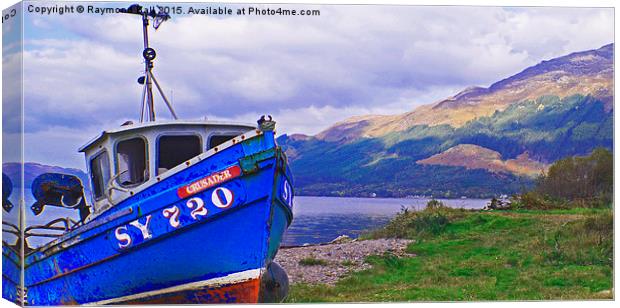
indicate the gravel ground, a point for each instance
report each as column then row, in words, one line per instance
column 342, row 256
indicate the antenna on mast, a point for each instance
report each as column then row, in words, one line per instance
column 148, row 104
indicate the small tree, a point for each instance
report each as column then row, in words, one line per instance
column 575, row 178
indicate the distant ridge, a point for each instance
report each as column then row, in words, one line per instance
column 32, row 170
column 480, row 142
column 586, row 73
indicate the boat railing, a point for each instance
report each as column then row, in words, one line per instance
column 63, row 224
column 10, row 228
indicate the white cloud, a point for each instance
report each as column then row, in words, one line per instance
column 11, row 107
column 307, row 71
column 313, row 119
column 57, row 145
column 551, row 32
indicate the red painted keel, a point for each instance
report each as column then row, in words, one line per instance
column 241, row 292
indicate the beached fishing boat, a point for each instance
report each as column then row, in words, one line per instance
column 182, row 212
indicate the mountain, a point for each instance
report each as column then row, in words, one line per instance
column 480, row 142
column 586, row 73
column 32, row 170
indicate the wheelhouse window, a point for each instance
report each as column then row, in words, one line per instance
column 132, row 164
column 216, row 140
column 99, row 174
column 174, row 150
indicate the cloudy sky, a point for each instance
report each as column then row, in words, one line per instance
column 80, row 69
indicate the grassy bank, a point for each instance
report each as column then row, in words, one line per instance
column 499, row 255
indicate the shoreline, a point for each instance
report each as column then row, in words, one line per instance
column 327, row 263
column 404, row 198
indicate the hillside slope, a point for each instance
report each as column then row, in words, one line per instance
column 479, row 143
column 476, row 157
column 586, row 73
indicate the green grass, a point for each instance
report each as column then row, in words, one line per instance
column 347, row 263
column 508, row 255
column 311, row 261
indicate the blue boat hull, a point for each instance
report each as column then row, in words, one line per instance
column 10, row 273
column 205, row 234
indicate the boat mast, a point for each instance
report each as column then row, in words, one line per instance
column 149, row 54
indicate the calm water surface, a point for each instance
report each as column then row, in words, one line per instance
column 321, row 219
column 317, row 219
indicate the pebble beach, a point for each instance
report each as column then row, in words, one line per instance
column 336, row 259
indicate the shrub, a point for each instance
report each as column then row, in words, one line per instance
column 535, row 201
column 409, row 224
column 434, row 204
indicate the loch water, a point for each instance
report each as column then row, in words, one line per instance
column 322, row 219
column 316, row 219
